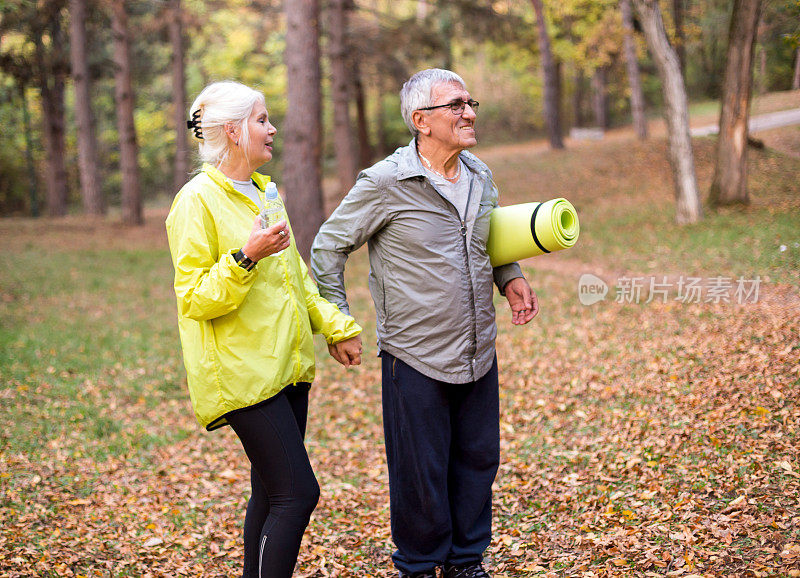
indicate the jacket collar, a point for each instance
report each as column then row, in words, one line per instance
column 225, row 183
column 409, row 164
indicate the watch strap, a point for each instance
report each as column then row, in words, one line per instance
column 243, row 260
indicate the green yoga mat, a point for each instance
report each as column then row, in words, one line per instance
column 521, row 231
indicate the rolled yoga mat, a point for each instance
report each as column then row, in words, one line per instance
column 521, row 231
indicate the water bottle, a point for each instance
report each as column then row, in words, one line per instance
column 273, row 209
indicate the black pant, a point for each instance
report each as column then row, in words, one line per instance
column 443, row 451
column 284, row 488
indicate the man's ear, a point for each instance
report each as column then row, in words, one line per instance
column 420, row 120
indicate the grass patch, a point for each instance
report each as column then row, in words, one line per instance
column 82, row 342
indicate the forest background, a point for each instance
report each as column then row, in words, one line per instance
column 654, row 432
column 130, row 65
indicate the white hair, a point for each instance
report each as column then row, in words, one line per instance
column 417, row 92
column 221, row 103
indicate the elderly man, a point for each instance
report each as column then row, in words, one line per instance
column 424, row 212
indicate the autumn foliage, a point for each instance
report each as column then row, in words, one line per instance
column 638, row 439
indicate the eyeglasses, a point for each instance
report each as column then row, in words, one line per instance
column 457, row 106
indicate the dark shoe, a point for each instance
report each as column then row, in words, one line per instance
column 474, row 570
column 431, row 574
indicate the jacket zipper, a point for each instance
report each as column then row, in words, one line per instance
column 465, row 246
column 472, row 311
column 293, row 299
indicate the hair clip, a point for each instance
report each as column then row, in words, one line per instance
column 194, row 124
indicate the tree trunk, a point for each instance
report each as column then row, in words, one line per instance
column 446, row 35
column 55, row 148
column 550, row 73
column 796, row 78
column 730, row 175
column 364, row 148
column 31, row 166
column 181, row 167
column 51, row 86
column 688, row 206
column 123, row 91
column 559, row 91
column 381, row 134
column 634, row 78
column 341, row 90
column 680, row 37
column 94, row 202
column 599, row 99
column 303, row 141
column 577, row 98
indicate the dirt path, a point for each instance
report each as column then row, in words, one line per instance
column 656, row 129
column 757, row 123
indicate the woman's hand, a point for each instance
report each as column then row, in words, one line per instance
column 347, row 352
column 265, row 242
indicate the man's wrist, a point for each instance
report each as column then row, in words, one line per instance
column 506, row 284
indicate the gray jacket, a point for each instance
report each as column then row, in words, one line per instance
column 432, row 293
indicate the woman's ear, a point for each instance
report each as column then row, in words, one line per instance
column 420, row 121
column 232, row 132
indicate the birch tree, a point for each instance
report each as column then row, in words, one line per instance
column 676, row 112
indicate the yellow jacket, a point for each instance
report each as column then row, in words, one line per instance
column 245, row 334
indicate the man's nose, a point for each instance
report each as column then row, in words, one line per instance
column 469, row 112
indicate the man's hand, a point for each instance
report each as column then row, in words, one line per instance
column 523, row 301
column 347, row 352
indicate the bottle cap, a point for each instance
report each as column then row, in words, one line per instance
column 271, row 192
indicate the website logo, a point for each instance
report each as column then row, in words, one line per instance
column 591, row 289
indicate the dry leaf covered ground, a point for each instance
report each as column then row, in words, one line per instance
column 639, row 438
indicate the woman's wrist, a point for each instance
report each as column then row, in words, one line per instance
column 250, row 252
column 243, row 260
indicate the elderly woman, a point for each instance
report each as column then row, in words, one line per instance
column 246, row 315
column 424, row 211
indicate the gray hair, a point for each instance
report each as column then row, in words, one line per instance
column 220, row 103
column 417, row 92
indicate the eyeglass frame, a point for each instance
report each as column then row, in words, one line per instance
column 473, row 104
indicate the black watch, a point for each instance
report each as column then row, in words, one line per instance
column 243, row 260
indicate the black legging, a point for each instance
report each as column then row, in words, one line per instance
column 284, row 488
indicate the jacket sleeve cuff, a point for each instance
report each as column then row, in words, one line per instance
column 504, row 274
column 238, row 273
column 349, row 329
